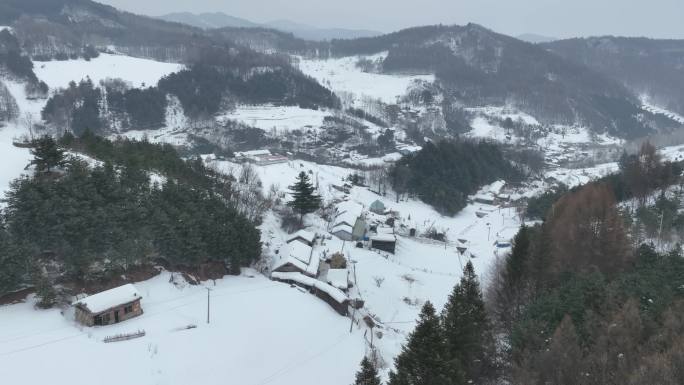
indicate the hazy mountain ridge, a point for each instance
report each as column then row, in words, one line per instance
column 303, row 31
column 650, row 67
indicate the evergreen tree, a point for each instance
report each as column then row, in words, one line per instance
column 516, row 263
column 304, row 200
column 467, row 331
column 46, row 154
column 368, row 375
column 45, row 293
column 423, row 360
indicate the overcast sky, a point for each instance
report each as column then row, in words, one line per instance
column 556, row 18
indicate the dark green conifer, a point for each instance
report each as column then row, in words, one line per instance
column 304, row 200
column 424, row 359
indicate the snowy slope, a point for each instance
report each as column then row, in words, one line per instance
column 139, row 72
column 342, row 75
column 14, row 159
column 261, row 332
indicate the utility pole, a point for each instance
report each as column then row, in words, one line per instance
column 208, row 291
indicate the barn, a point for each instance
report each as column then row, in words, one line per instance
column 109, row 307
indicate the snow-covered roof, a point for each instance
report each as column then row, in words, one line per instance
column 252, row 153
column 97, row 303
column 338, row 278
column 383, row 238
column 342, row 227
column 302, row 256
column 301, row 252
column 495, row 188
column 347, row 217
column 486, row 197
column 337, row 294
column 349, row 207
column 304, row 234
column 385, row 230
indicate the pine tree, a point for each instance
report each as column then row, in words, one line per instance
column 517, row 261
column 368, row 374
column 423, row 360
column 45, row 292
column 46, row 154
column 467, row 331
column 304, row 200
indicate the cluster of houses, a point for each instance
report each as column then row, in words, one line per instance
column 493, row 194
column 300, row 264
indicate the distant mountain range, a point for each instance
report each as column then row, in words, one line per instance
column 217, row 20
column 534, row 38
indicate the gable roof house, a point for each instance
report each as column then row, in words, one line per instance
column 306, row 237
column 109, row 307
column 300, row 259
column 349, row 224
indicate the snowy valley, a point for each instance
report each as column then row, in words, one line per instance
column 351, row 279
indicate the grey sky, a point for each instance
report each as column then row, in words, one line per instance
column 558, row 18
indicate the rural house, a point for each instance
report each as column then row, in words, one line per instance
column 306, row 237
column 109, row 307
column 300, row 258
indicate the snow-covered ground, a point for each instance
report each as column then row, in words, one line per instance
column 342, row 75
column 261, row 332
column 14, row 159
column 139, row 72
column 278, row 119
column 420, row 270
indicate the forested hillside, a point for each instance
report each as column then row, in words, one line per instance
column 445, row 173
column 203, row 91
column 650, row 67
column 137, row 204
column 477, row 66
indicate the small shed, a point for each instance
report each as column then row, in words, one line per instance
column 109, row 307
column 384, row 242
column 378, row 207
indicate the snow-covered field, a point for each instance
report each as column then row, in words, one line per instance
column 139, row 72
column 342, row 75
column 261, row 332
column 278, row 119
